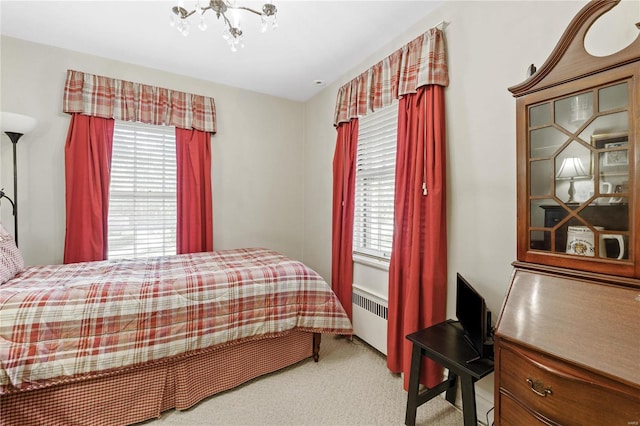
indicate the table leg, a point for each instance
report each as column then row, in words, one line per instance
column 451, row 392
column 468, row 401
column 414, row 385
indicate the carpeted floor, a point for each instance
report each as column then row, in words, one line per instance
column 349, row 386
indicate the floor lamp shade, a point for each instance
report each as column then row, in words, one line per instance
column 15, row 125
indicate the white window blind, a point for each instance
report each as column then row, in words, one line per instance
column 142, row 197
column 375, row 175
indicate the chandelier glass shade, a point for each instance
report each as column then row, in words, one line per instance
column 227, row 10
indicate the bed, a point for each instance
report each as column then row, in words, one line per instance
column 119, row 342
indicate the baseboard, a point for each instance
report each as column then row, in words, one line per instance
column 484, row 403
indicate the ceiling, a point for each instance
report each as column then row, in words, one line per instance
column 315, row 40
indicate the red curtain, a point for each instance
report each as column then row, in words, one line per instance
column 418, row 266
column 195, row 211
column 87, row 176
column 344, row 180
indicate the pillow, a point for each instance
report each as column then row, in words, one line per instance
column 11, row 260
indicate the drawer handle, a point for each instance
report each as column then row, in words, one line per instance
column 538, row 387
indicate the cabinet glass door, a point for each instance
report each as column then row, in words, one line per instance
column 579, row 180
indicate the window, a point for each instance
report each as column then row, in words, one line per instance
column 142, row 196
column 375, row 176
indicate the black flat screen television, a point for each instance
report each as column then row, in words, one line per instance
column 475, row 318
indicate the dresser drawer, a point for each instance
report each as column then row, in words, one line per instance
column 513, row 414
column 563, row 394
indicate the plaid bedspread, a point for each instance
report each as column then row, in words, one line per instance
column 68, row 320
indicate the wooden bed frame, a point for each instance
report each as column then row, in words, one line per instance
column 141, row 392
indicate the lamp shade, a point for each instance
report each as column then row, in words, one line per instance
column 571, row 167
column 16, row 123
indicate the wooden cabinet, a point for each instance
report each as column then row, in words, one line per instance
column 567, row 341
column 567, row 351
column 578, row 128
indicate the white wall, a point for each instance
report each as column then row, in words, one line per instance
column 489, row 46
column 257, row 153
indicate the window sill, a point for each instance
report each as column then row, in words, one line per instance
column 371, row 261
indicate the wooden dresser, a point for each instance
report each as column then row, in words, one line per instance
column 567, row 352
column 567, row 341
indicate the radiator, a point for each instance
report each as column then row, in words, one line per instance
column 370, row 318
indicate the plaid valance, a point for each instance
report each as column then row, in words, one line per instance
column 105, row 97
column 419, row 63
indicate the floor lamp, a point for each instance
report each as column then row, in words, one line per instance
column 15, row 125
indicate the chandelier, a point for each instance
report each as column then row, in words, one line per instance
column 232, row 32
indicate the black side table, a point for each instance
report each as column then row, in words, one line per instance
column 444, row 343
